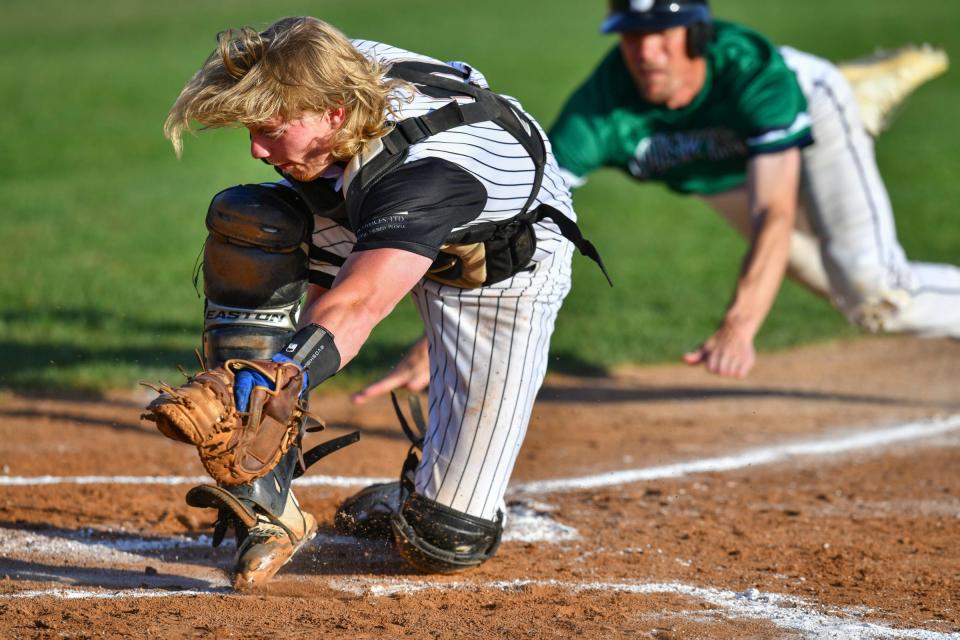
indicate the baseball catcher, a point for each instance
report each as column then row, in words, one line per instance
column 399, row 174
column 247, row 411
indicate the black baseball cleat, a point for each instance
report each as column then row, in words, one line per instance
column 366, row 514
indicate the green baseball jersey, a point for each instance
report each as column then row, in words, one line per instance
column 750, row 104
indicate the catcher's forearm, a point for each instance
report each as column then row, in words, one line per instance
column 369, row 286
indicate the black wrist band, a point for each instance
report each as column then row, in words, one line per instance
column 312, row 347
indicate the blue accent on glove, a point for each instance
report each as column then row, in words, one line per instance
column 247, row 379
column 243, row 384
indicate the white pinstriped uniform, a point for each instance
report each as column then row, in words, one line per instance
column 871, row 280
column 853, row 255
column 488, row 346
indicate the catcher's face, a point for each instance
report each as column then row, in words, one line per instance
column 300, row 147
column 659, row 64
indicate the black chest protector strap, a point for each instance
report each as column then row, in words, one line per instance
column 486, row 107
column 571, row 231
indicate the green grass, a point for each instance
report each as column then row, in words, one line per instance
column 102, row 224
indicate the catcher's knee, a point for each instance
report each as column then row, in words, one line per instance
column 254, row 270
column 438, row 539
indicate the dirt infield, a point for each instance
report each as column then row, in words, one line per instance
column 818, row 499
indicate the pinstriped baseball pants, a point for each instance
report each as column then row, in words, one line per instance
column 488, row 357
column 871, row 280
column 852, row 253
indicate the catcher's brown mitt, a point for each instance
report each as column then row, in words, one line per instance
column 235, row 447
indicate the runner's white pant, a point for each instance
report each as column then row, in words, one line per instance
column 853, row 252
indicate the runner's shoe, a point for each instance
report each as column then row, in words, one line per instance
column 882, row 81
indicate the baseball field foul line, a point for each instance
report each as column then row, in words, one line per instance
column 830, row 445
column 786, row 612
column 827, row 445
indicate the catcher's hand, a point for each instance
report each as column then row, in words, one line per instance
column 242, row 416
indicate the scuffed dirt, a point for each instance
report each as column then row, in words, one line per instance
column 870, row 535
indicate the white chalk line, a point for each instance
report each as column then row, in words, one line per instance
column 524, row 523
column 89, row 546
column 528, row 522
column 787, row 612
column 784, row 611
column 826, row 445
column 83, row 594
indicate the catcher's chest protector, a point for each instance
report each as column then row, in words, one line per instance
column 483, row 254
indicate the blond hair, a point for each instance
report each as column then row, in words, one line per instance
column 295, row 65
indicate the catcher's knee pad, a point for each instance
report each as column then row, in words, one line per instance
column 438, row 539
column 254, row 271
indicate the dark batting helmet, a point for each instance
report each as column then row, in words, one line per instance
column 657, row 15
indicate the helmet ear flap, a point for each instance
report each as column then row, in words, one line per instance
column 699, row 35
